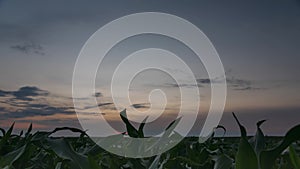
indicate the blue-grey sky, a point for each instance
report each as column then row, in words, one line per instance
column 258, row 43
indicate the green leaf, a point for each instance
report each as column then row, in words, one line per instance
column 75, row 130
column 223, row 162
column 29, row 130
column 93, row 163
column 267, row 157
column 259, row 138
column 295, row 159
column 132, row 132
column 58, row 165
column 64, row 150
column 242, row 128
column 3, row 131
column 8, row 134
column 10, row 158
column 245, row 157
column 40, row 135
column 212, row 134
column 221, row 127
column 167, row 135
column 5, row 138
column 141, row 128
column 188, row 161
column 21, row 133
column 155, row 163
column 171, row 127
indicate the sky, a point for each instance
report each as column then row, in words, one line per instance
column 257, row 41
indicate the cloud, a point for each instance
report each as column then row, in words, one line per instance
column 203, row 81
column 235, row 82
column 98, row 94
column 29, row 48
column 36, row 111
column 29, row 101
column 242, row 84
column 182, row 85
column 25, row 93
column 29, row 91
column 249, row 88
column 3, row 93
column 99, row 105
column 140, row 105
column 232, row 82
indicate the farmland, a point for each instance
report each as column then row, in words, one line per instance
column 38, row 150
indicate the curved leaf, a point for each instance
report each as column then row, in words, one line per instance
column 29, row 130
column 132, row 132
column 75, row 130
column 10, row 158
column 294, row 157
column 259, row 138
column 141, row 128
column 65, row 151
column 5, row 138
column 3, row 131
column 245, row 157
column 268, row 157
column 223, row 162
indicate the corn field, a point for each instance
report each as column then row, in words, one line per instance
column 40, row 150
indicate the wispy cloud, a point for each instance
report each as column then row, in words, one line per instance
column 29, row 48
column 188, row 85
column 99, row 105
column 242, row 84
column 36, row 111
column 232, row 82
column 249, row 88
column 140, row 105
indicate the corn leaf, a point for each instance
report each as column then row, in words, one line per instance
column 245, row 157
column 295, row 159
column 268, row 157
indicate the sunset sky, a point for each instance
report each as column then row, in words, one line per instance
column 257, row 41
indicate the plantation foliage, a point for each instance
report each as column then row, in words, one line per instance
column 39, row 150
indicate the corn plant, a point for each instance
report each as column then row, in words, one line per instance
column 39, row 150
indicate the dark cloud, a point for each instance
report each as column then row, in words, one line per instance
column 203, row 81
column 29, row 101
column 183, row 85
column 58, row 122
column 29, row 48
column 99, row 105
column 32, row 111
column 3, row 93
column 98, row 94
column 233, row 83
column 140, row 105
column 249, row 88
column 238, row 83
column 104, row 104
column 242, row 84
column 25, row 93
